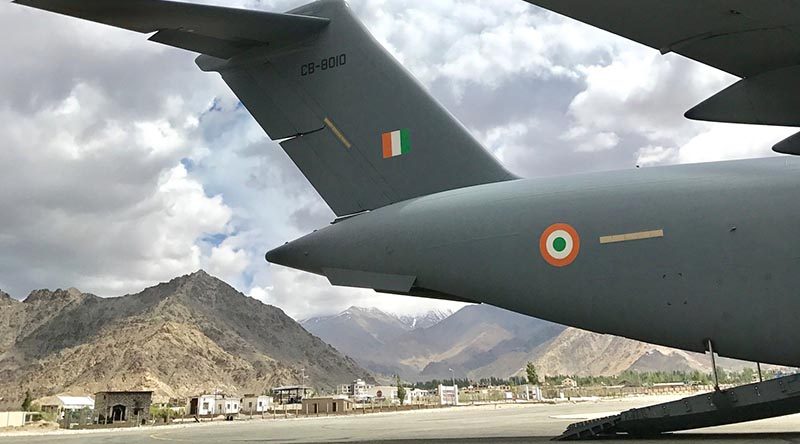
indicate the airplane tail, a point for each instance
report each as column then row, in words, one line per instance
column 358, row 125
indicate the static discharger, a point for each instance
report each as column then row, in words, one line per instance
column 337, row 133
column 631, row 236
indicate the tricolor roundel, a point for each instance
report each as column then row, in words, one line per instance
column 559, row 244
column 396, row 143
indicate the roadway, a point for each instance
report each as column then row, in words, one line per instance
column 483, row 424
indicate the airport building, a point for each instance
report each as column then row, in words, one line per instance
column 216, row 404
column 415, row 395
column 111, row 407
column 256, row 404
column 328, row 406
column 59, row 405
column 290, row 394
column 358, row 390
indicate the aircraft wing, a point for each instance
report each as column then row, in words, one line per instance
column 757, row 41
column 217, row 31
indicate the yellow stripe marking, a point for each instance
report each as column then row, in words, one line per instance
column 337, row 133
column 631, row 236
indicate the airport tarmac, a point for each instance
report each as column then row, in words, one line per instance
column 478, row 424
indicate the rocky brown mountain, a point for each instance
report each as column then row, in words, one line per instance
column 190, row 335
column 583, row 353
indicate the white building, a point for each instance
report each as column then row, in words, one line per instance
column 202, row 405
column 345, row 390
column 60, row 403
column 416, row 395
column 205, row 405
column 256, row 404
column 360, row 390
column 227, row 405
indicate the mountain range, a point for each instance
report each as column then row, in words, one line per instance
column 470, row 341
column 190, row 335
column 197, row 334
column 480, row 341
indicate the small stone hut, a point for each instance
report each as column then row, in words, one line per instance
column 131, row 407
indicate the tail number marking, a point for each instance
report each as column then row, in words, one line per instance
column 325, row 64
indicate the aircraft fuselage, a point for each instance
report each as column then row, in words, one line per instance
column 670, row 255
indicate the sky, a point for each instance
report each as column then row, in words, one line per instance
column 122, row 165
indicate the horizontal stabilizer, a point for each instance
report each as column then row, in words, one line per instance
column 771, row 98
column 756, row 41
column 217, row 31
column 790, row 145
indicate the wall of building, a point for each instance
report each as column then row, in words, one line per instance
column 227, row 406
column 105, row 401
column 327, row 406
column 256, row 404
column 12, row 419
column 206, row 405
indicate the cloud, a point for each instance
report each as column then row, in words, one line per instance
column 90, row 164
column 656, row 155
column 729, row 142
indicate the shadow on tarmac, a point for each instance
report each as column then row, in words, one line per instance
column 788, row 437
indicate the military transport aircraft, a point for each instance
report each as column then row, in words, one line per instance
column 689, row 256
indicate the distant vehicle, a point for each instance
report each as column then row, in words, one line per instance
column 690, row 256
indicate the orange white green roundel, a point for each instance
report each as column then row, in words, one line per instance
column 559, row 244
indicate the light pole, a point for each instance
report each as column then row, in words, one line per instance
column 303, row 386
column 455, row 389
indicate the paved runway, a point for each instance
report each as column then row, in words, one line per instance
column 484, row 424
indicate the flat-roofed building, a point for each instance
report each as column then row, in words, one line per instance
column 228, row 405
column 290, row 394
column 58, row 405
column 122, row 406
column 216, row 404
column 327, row 406
column 202, row 405
column 256, row 404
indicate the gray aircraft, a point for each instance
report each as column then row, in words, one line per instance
column 688, row 256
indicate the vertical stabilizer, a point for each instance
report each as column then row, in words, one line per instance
column 358, row 125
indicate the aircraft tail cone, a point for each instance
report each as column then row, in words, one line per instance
column 279, row 255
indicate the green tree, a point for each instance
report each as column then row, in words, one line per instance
column 530, row 370
column 401, row 391
column 26, row 403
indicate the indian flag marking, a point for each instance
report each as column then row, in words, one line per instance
column 396, row 143
column 559, row 244
column 631, row 236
